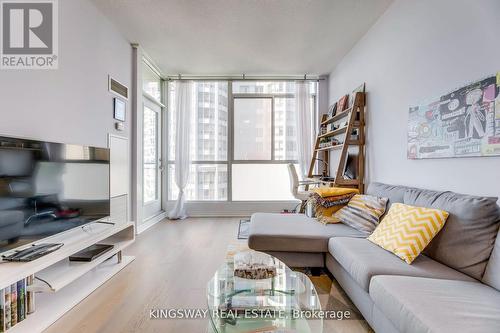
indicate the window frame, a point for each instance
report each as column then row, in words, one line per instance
column 230, row 137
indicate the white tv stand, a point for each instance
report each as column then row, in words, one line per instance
column 69, row 282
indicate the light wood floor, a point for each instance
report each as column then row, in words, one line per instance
column 174, row 261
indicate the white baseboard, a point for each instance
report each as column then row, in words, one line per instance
column 215, row 215
column 234, row 209
column 150, row 222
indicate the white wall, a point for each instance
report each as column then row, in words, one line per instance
column 71, row 104
column 416, row 51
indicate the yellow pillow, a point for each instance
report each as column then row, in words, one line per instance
column 327, row 191
column 407, row 230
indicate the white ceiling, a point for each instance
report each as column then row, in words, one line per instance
column 255, row 37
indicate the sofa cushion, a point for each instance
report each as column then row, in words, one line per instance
column 466, row 240
column 363, row 260
column 456, row 306
column 395, row 193
column 406, row 230
column 492, row 272
column 293, row 233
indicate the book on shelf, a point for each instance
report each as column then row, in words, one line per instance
column 352, row 97
column 7, row 311
column 13, row 304
column 332, row 110
column 21, row 300
column 30, row 295
column 2, row 310
column 342, row 103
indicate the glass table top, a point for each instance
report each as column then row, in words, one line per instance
column 285, row 303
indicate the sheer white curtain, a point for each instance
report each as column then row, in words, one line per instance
column 303, row 119
column 183, row 111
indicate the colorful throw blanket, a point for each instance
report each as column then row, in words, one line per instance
column 332, row 201
column 328, row 200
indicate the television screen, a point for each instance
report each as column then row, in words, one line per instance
column 47, row 188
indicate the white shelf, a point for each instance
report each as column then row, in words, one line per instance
column 74, row 240
column 52, row 306
column 65, row 271
column 70, row 282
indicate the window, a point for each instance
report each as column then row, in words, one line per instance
column 261, row 182
column 285, row 147
column 264, row 87
column 151, row 82
column 209, row 142
column 207, row 182
column 252, row 128
column 261, row 154
column 152, row 134
column 253, row 166
column 209, row 123
column 150, row 155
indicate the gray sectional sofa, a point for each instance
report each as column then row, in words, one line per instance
column 453, row 287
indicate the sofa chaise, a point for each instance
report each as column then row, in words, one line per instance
column 454, row 286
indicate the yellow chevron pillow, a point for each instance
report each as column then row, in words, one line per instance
column 407, row 230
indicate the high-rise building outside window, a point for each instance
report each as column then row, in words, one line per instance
column 259, row 118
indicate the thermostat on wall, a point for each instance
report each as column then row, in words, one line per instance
column 119, row 109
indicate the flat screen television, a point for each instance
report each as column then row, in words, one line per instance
column 47, row 188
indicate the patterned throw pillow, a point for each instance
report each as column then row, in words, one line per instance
column 407, row 230
column 362, row 212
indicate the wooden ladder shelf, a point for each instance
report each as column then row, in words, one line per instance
column 355, row 116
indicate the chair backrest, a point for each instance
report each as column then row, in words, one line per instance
column 294, row 179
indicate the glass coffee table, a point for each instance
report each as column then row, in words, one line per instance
column 286, row 303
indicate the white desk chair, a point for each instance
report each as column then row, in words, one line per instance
column 296, row 183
